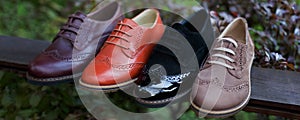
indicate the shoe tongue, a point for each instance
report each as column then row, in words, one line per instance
column 227, row 43
column 80, row 14
column 221, row 44
column 124, row 27
column 75, row 21
column 61, row 42
column 130, row 22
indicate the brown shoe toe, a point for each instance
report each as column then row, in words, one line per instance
column 44, row 67
column 220, row 98
column 75, row 45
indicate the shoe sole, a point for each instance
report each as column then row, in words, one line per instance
column 161, row 103
column 228, row 112
column 219, row 114
column 107, row 88
column 51, row 81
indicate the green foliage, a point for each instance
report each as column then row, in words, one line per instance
column 35, row 19
column 189, row 115
column 23, row 21
column 245, row 116
column 22, row 100
column 274, row 27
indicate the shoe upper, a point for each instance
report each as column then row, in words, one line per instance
column 224, row 81
column 76, row 43
column 126, row 51
column 179, row 55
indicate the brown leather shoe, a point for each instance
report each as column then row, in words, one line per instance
column 223, row 87
column 125, row 52
column 75, row 45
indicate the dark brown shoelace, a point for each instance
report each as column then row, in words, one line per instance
column 69, row 28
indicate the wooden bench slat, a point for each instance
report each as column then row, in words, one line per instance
column 276, row 85
column 273, row 91
column 17, row 52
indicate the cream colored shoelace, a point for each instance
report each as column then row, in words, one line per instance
column 121, row 24
column 225, row 50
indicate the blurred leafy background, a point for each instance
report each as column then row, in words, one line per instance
column 274, row 26
column 41, row 19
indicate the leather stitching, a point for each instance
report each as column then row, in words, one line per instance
column 128, row 66
column 218, row 83
column 55, row 54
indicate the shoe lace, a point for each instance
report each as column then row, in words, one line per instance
column 70, row 27
column 227, row 50
column 120, row 36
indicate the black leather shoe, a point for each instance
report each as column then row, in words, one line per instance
column 173, row 66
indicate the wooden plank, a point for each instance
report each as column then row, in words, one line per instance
column 276, row 85
column 16, row 53
column 271, row 108
column 274, row 92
